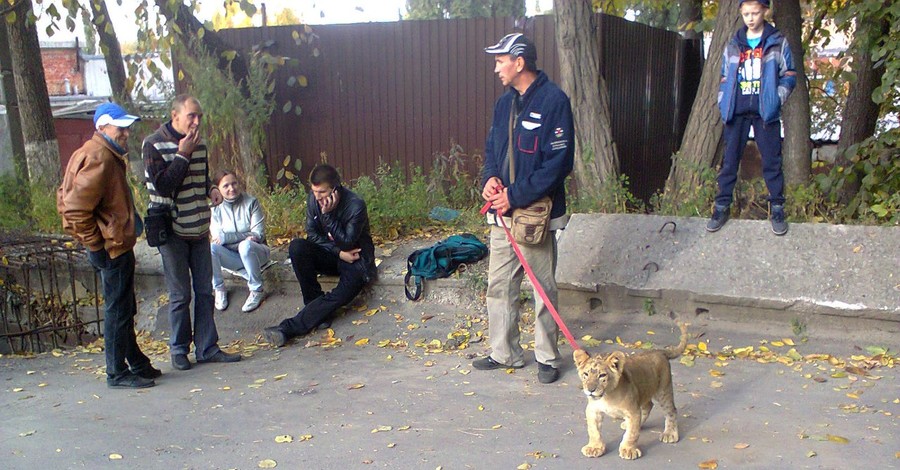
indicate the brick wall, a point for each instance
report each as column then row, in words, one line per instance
column 60, row 64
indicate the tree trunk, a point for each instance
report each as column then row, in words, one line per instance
column 797, row 145
column 577, row 39
column 703, row 135
column 8, row 98
column 112, row 52
column 41, row 147
column 187, row 27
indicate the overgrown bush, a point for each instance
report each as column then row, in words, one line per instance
column 43, row 215
column 285, row 210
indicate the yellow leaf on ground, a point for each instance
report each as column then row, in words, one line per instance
column 356, row 386
column 702, row 346
column 27, row 433
column 741, row 445
column 371, row 312
column 391, row 445
column 362, row 342
column 468, row 394
column 304, row 437
column 18, row 389
column 788, row 341
column 284, row 438
column 403, row 428
column 279, row 376
column 259, row 381
column 716, row 373
column 115, row 457
column 777, row 343
column 524, row 466
column 838, row 439
column 497, row 426
column 267, row 463
column 709, row 464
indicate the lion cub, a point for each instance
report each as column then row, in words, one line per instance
column 623, row 387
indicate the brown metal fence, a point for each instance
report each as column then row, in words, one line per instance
column 405, row 90
column 44, row 302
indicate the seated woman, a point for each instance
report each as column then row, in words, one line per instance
column 238, row 241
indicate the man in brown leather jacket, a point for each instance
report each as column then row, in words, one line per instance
column 97, row 209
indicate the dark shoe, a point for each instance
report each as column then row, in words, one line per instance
column 149, row 372
column 326, row 324
column 776, row 216
column 547, row 374
column 275, row 336
column 720, row 215
column 488, row 363
column 221, row 356
column 130, row 380
column 181, row 362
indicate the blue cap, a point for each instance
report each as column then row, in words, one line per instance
column 111, row 113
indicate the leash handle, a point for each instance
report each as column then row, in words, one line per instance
column 539, row 288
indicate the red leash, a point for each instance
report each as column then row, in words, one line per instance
column 537, row 286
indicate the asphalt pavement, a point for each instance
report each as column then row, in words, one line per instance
column 390, row 388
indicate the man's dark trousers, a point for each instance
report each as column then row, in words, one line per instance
column 308, row 260
column 120, row 308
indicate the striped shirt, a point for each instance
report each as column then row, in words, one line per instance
column 178, row 181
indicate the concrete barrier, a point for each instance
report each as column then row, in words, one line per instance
column 838, row 273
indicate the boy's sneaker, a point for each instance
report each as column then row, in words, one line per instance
column 776, row 216
column 720, row 215
column 253, row 300
column 221, row 299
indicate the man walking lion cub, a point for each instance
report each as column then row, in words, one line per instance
column 625, row 387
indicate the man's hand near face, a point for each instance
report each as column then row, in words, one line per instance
column 330, row 202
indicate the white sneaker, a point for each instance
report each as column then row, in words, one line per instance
column 253, row 300
column 221, row 299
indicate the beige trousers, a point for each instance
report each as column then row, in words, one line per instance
column 505, row 275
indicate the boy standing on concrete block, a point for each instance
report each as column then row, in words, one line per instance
column 757, row 78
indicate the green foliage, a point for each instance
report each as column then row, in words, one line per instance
column 285, row 209
column 875, row 165
column 444, row 9
column 395, row 205
column 614, row 198
column 43, row 208
column 688, row 202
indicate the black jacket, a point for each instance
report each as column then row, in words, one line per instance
column 343, row 229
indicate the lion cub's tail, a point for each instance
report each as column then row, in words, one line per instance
column 673, row 352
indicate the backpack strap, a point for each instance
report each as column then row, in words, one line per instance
column 418, row 279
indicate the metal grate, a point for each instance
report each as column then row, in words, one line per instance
column 41, row 307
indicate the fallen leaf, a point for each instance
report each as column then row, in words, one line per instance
column 468, row 394
column 267, row 463
column 284, row 438
column 403, row 428
column 716, row 373
column 524, row 466
column 702, row 346
column 362, row 342
column 195, row 390
column 304, row 437
column 18, row 389
column 811, row 453
column 391, row 445
column 259, row 381
column 788, row 341
column 709, row 464
column 115, row 457
column 715, row 384
column 279, row 376
column 838, row 439
column 27, row 433
column 741, row 445
column 497, row 426
column 356, row 386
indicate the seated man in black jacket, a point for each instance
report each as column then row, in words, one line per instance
column 337, row 243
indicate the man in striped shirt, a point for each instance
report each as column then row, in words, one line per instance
column 177, row 173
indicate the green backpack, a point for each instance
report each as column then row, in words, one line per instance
column 441, row 260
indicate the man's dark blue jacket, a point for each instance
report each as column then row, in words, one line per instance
column 543, row 142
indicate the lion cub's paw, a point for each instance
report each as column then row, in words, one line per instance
column 669, row 437
column 592, row 451
column 629, row 453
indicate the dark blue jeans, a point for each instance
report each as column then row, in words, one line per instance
column 308, row 260
column 768, row 140
column 186, row 263
column 120, row 341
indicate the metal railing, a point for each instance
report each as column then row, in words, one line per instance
column 40, row 308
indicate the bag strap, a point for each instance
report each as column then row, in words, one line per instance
column 509, row 148
column 418, row 280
